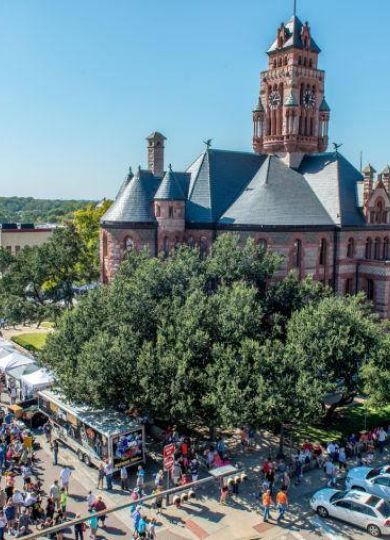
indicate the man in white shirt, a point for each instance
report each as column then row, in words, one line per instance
column 65, row 477
column 90, row 499
column 329, row 471
column 54, row 493
column 381, row 439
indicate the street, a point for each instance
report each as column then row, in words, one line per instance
column 204, row 517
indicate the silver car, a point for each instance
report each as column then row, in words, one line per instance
column 355, row 507
column 375, row 481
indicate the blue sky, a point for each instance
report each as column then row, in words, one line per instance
column 83, row 82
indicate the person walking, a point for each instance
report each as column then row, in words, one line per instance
column 3, row 525
column 63, row 500
column 93, row 524
column 79, row 529
column 54, row 449
column 100, row 483
column 64, row 478
column 330, row 473
column 54, row 493
column 282, row 503
column 124, row 478
column 285, row 481
column 99, row 506
column 108, row 472
column 267, row 503
column 140, row 478
column 141, row 528
column 381, row 439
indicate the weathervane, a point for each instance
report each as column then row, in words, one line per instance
column 336, row 147
column 208, row 143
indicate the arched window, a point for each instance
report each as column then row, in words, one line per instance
column 304, row 61
column 275, row 63
column 262, row 242
column 370, row 289
column 386, row 249
column 378, row 211
column 310, row 63
column 297, row 254
column 348, row 286
column 203, row 246
column 128, row 244
column 368, row 248
column 323, row 252
column 300, row 60
column 158, row 210
column 351, row 248
column 171, row 211
column 166, row 246
column 105, row 245
column 285, row 61
column 377, row 249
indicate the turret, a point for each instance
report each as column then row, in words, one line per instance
column 368, row 173
column 169, row 210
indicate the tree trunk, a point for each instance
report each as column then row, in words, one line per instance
column 281, row 443
column 344, row 400
column 212, row 433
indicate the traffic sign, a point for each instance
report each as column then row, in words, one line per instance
column 168, row 455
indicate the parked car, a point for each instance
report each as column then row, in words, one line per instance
column 356, row 507
column 375, row 481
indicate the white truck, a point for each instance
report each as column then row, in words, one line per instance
column 95, row 435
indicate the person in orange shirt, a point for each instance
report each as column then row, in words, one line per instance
column 282, row 503
column 267, row 502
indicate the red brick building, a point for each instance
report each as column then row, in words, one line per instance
column 313, row 207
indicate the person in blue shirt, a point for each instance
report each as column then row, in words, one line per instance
column 136, row 517
column 141, row 529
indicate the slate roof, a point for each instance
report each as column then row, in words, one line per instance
column 173, row 187
column 334, row 182
column 125, row 182
column 133, row 204
column 324, row 107
column 218, row 179
column 246, row 189
column 293, row 30
column 277, row 195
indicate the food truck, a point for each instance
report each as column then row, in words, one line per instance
column 94, row 435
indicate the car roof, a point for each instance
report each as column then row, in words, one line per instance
column 361, row 497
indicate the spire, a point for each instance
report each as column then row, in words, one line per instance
column 369, row 171
column 324, row 107
column 170, row 188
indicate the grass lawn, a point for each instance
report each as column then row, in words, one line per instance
column 47, row 324
column 351, row 419
column 31, row 342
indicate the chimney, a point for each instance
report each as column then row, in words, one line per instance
column 156, row 153
column 368, row 173
column 385, row 174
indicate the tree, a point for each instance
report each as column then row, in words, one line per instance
column 335, row 339
column 87, row 225
column 197, row 328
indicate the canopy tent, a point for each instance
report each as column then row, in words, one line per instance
column 13, row 360
column 39, row 380
column 18, row 371
column 6, row 349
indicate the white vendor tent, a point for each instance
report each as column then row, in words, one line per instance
column 25, row 369
column 39, row 380
column 13, row 360
column 6, row 349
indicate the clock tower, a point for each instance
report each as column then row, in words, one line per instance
column 291, row 117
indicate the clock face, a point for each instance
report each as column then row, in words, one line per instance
column 309, row 99
column 274, row 99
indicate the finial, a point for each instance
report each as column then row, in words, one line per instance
column 130, row 171
column 336, row 147
column 295, row 8
column 208, row 143
column 139, row 168
column 170, row 167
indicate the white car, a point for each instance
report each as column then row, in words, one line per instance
column 355, row 507
column 375, row 481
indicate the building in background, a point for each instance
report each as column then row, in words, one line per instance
column 325, row 218
column 14, row 237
